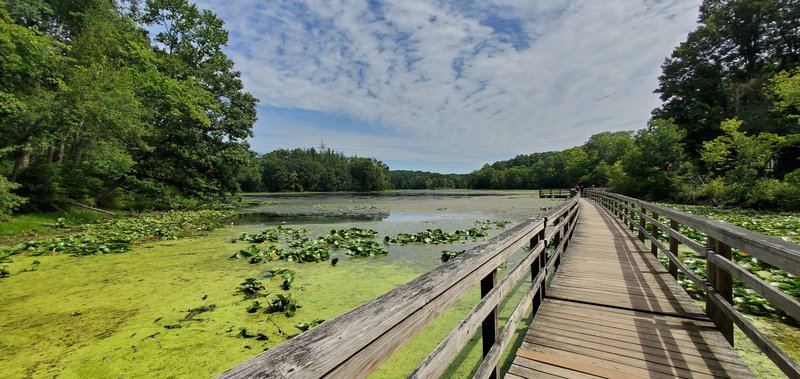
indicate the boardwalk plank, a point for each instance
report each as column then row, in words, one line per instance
column 658, row 355
column 612, row 306
column 690, row 349
column 525, row 372
column 668, row 335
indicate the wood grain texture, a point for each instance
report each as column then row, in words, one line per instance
column 574, row 366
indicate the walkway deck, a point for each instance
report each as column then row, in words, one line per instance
column 614, row 311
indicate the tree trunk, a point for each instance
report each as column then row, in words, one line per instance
column 111, row 188
column 17, row 164
column 61, row 152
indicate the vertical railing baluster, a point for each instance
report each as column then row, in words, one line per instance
column 556, row 242
column 632, row 215
column 721, row 283
column 642, row 222
column 654, row 232
column 536, row 267
column 673, row 248
column 490, row 327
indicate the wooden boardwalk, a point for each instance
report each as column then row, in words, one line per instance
column 614, row 311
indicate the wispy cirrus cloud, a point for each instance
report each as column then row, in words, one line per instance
column 449, row 85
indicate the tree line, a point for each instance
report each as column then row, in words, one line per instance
column 95, row 110
column 315, row 170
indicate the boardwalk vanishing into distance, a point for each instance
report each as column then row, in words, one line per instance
column 613, row 310
column 600, row 303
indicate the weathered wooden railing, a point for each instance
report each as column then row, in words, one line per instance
column 720, row 268
column 355, row 343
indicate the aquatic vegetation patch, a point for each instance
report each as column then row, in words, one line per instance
column 299, row 248
column 303, row 326
column 254, row 307
column 438, row 236
column 276, row 234
column 251, row 288
column 117, row 236
column 285, row 304
column 304, row 251
column 499, row 224
column 356, row 241
column 243, row 333
column 365, row 248
column 286, row 274
column 337, row 237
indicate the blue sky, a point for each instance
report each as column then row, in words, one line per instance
column 449, row 85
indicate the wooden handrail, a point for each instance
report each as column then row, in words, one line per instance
column 355, row 343
column 721, row 238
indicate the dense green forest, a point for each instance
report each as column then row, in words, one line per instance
column 94, row 110
column 313, row 170
column 403, row 179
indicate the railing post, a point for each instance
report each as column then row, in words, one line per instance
column 536, row 267
column 615, row 204
column 654, row 232
column 721, row 283
column 642, row 223
column 631, row 216
column 490, row 327
column 673, row 248
column 627, row 213
column 556, row 243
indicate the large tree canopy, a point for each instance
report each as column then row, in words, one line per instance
column 720, row 71
column 92, row 105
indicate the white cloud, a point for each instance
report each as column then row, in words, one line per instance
column 488, row 73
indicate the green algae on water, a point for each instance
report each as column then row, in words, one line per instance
column 110, row 316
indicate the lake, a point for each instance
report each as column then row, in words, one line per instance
column 171, row 307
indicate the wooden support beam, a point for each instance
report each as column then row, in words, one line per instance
column 491, row 327
column 654, row 231
column 536, row 267
column 720, row 281
column 673, row 248
column 642, row 222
